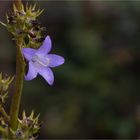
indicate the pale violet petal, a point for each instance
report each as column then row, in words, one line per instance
column 46, row 46
column 55, row 60
column 47, row 74
column 32, row 73
column 28, row 53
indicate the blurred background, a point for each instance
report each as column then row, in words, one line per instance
column 96, row 93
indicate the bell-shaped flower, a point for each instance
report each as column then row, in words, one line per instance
column 41, row 62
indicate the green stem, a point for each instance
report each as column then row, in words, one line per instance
column 20, row 68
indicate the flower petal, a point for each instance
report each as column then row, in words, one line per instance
column 32, row 73
column 28, row 53
column 55, row 60
column 47, row 74
column 46, row 46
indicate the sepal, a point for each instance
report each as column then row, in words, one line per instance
column 24, row 23
column 28, row 127
column 5, row 82
column 4, row 85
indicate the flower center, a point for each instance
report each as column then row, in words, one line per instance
column 44, row 61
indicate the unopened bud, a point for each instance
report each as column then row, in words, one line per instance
column 5, row 82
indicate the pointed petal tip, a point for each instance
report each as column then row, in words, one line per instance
column 63, row 60
column 32, row 73
column 47, row 74
column 55, row 60
column 48, row 37
column 45, row 47
column 48, row 41
column 50, row 81
column 27, row 78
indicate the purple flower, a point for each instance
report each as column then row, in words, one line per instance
column 40, row 62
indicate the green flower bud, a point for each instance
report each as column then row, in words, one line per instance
column 24, row 20
column 28, row 127
column 5, row 82
column 4, row 85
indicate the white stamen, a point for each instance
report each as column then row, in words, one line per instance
column 38, row 59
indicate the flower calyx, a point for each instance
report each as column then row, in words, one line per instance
column 24, row 23
column 4, row 85
column 28, row 127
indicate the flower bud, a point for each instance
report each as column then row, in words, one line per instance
column 4, row 85
column 28, row 127
column 5, row 82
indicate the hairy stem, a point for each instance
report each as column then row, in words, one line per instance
column 20, row 67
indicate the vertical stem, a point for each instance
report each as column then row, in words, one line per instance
column 20, row 67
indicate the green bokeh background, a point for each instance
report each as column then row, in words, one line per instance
column 96, row 93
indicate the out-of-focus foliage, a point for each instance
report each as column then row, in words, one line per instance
column 96, row 93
